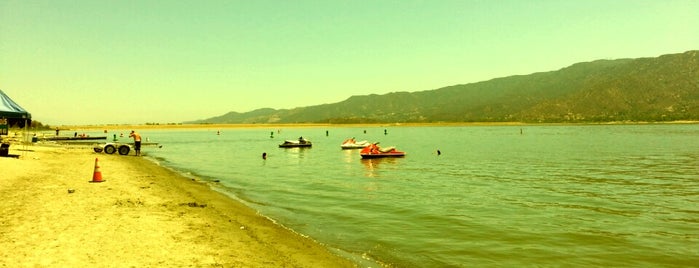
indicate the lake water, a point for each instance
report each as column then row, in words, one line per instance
column 598, row 195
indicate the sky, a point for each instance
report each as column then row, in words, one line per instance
column 150, row 61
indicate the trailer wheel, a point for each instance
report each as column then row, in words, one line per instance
column 124, row 150
column 97, row 149
column 109, row 149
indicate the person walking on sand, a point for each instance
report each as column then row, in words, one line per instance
column 136, row 142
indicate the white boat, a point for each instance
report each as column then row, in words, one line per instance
column 353, row 144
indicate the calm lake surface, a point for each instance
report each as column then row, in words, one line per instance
column 598, row 195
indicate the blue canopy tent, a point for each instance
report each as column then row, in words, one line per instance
column 12, row 112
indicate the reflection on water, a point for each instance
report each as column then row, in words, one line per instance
column 350, row 155
column 372, row 165
column 295, row 152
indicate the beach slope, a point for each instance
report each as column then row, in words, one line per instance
column 142, row 215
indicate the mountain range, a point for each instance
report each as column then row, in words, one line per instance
column 664, row 88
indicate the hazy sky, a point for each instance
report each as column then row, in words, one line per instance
column 120, row 61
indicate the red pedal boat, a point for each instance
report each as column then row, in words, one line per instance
column 374, row 151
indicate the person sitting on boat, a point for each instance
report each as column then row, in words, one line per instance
column 375, row 148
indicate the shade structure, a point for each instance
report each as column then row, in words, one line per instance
column 10, row 110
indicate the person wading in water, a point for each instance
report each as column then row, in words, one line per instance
column 136, row 142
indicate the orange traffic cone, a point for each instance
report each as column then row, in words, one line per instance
column 97, row 175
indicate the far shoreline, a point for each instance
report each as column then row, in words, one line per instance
column 310, row 125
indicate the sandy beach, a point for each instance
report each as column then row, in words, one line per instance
column 142, row 215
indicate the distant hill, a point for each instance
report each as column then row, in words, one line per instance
column 665, row 88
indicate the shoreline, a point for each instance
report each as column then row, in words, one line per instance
column 309, row 125
column 143, row 214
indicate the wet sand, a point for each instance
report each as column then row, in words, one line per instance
column 142, row 215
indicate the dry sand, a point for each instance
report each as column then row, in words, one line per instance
column 142, row 215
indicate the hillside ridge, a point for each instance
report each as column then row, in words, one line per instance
column 664, row 88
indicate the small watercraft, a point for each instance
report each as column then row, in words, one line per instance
column 301, row 142
column 353, row 144
column 374, row 151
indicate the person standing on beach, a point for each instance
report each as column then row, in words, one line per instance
column 136, row 142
